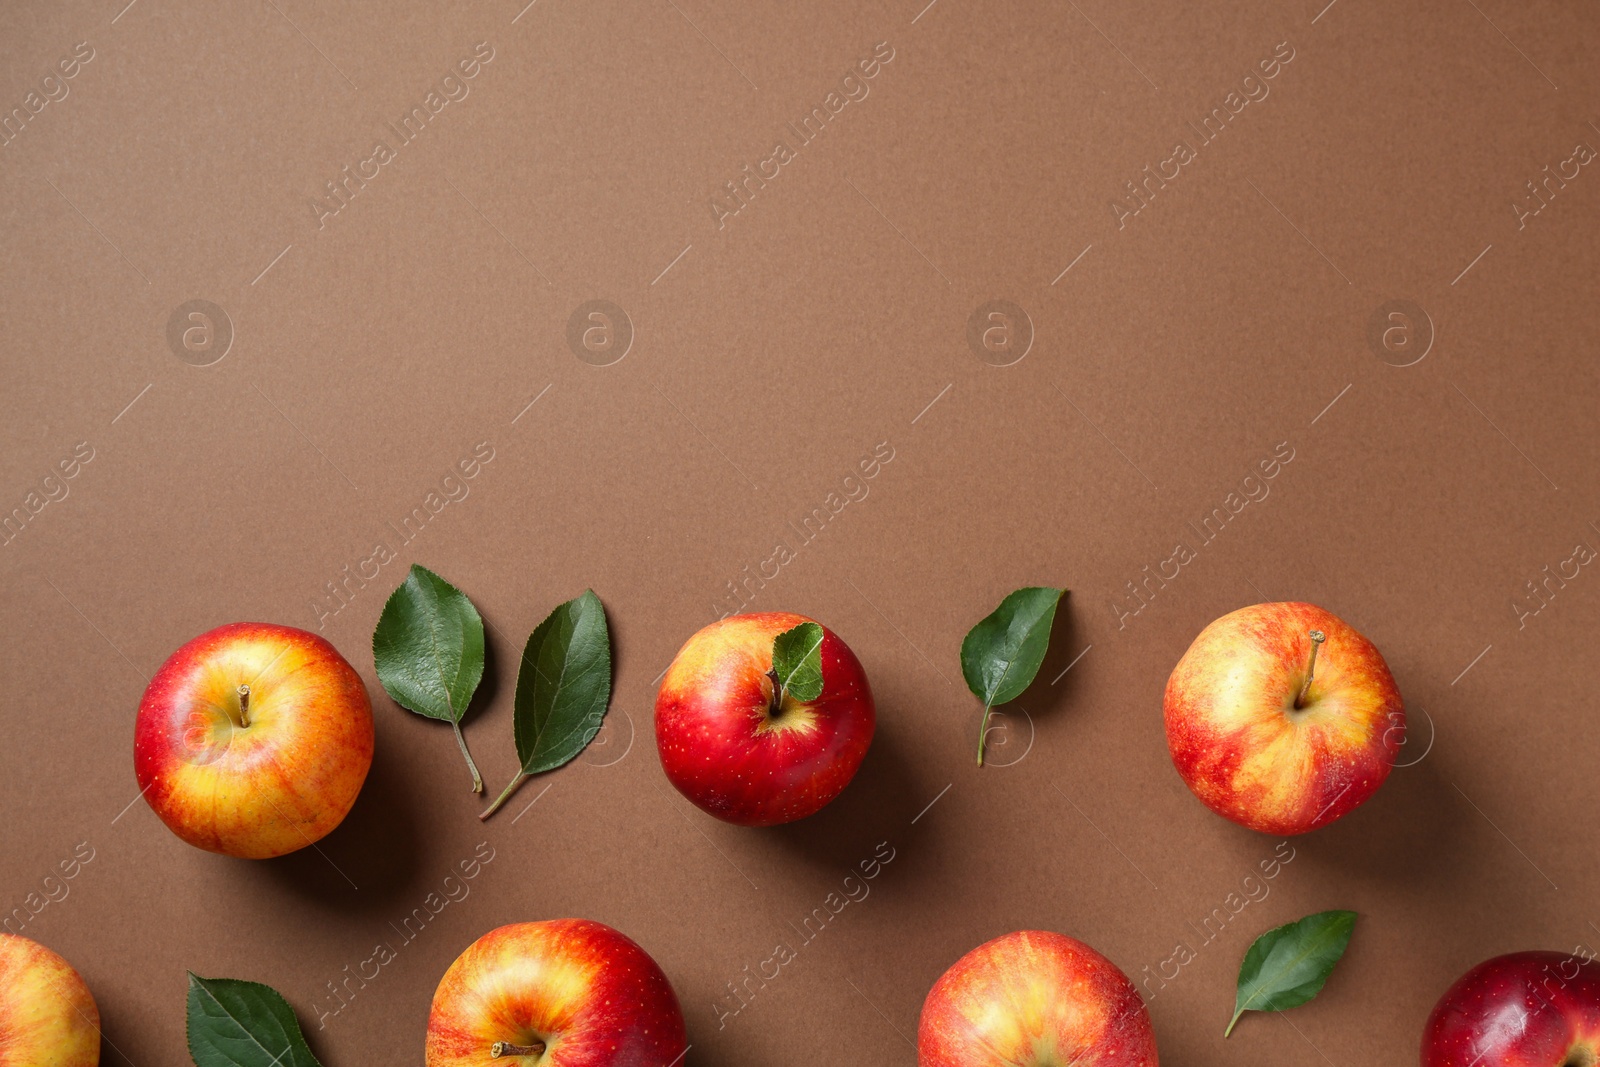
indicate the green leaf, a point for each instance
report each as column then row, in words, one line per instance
column 428, row 648
column 1001, row 655
column 563, row 687
column 797, row 661
column 1287, row 966
column 243, row 1024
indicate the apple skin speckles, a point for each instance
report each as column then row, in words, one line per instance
column 722, row 750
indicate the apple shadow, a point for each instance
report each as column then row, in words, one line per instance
column 500, row 658
column 368, row 860
column 1411, row 835
column 125, row 1024
column 884, row 793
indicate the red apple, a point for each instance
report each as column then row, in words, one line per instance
column 253, row 740
column 47, row 1017
column 1528, row 1009
column 730, row 750
column 561, row 993
column 1283, row 718
column 1033, row 999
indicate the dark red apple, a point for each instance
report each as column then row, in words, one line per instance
column 737, row 753
column 1528, row 1009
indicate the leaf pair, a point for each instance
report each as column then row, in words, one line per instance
column 1288, row 965
column 1002, row 654
column 429, row 652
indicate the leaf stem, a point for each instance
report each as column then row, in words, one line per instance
column 1231, row 1022
column 477, row 779
column 503, row 797
column 983, row 731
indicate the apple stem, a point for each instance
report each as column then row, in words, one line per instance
column 477, row 779
column 1317, row 637
column 506, row 1048
column 775, row 704
column 244, row 704
column 501, row 799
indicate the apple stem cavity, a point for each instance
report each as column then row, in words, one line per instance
column 491, row 809
column 1317, row 637
column 775, row 704
column 506, row 1048
column 244, row 705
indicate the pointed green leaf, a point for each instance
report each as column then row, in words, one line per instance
column 797, row 661
column 243, row 1024
column 563, row 685
column 428, row 650
column 428, row 646
column 1287, row 966
column 1001, row 654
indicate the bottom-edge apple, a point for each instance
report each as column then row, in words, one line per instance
column 558, row 993
column 48, row 1017
column 1034, row 999
column 1526, row 1009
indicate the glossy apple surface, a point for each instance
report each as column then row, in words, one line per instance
column 258, row 775
column 1249, row 752
column 1034, row 999
column 1528, row 1009
column 560, row 993
column 724, row 749
column 47, row 1016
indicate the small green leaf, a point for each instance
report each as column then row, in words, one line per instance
column 797, row 661
column 243, row 1024
column 428, row 649
column 1287, row 966
column 1001, row 654
column 563, row 688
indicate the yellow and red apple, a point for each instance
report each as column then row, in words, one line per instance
column 253, row 740
column 1034, row 999
column 1283, row 718
column 47, row 1016
column 1527, row 1009
column 740, row 754
column 560, row 993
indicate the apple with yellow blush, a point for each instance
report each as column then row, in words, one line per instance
column 1034, row 999
column 1282, row 718
column 253, row 740
column 558, row 993
column 47, row 1016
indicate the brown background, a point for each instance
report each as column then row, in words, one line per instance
column 776, row 352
